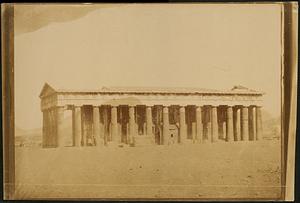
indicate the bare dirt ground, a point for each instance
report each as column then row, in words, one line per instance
column 219, row 170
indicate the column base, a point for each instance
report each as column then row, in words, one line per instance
column 100, row 143
column 188, row 142
column 205, row 141
column 115, row 144
column 143, row 140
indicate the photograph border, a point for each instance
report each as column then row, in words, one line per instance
column 289, row 72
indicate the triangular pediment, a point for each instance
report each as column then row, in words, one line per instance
column 242, row 88
column 47, row 90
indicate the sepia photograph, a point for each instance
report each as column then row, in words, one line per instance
column 178, row 101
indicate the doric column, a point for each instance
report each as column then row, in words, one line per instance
column 54, row 127
column 51, row 129
column 48, row 129
column 45, row 129
column 76, row 113
column 206, row 124
column 105, row 136
column 83, row 124
column 237, row 123
column 96, row 125
column 245, row 124
column 132, row 130
column 214, row 124
column 114, row 124
column 182, row 125
column 149, row 123
column 252, row 123
column 199, row 125
column 165, row 125
column 229, row 127
column 259, row 129
column 59, row 129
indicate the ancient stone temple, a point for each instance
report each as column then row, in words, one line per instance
column 128, row 116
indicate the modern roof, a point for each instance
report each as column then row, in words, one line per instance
column 153, row 90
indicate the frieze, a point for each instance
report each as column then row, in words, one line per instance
column 143, row 99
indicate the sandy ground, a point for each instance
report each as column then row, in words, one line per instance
column 219, row 170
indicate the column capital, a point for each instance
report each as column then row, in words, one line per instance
column 198, row 108
column 210, row 105
column 65, row 107
column 76, row 107
column 229, row 110
column 181, row 109
column 239, row 106
column 207, row 105
column 45, row 110
column 230, row 105
column 165, row 109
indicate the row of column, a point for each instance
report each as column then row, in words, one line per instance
column 242, row 123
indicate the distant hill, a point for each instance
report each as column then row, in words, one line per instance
column 33, row 137
column 271, row 126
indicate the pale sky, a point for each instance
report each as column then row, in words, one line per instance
column 177, row 45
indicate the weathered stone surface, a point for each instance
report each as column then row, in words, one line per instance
column 149, row 123
column 214, row 124
column 59, row 120
column 199, row 125
column 245, row 124
column 229, row 128
column 114, row 124
column 182, row 125
column 166, row 132
column 132, row 127
column 259, row 128
column 77, row 126
column 96, row 125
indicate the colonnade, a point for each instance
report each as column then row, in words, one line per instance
column 106, row 124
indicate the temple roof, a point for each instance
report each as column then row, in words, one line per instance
column 47, row 89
